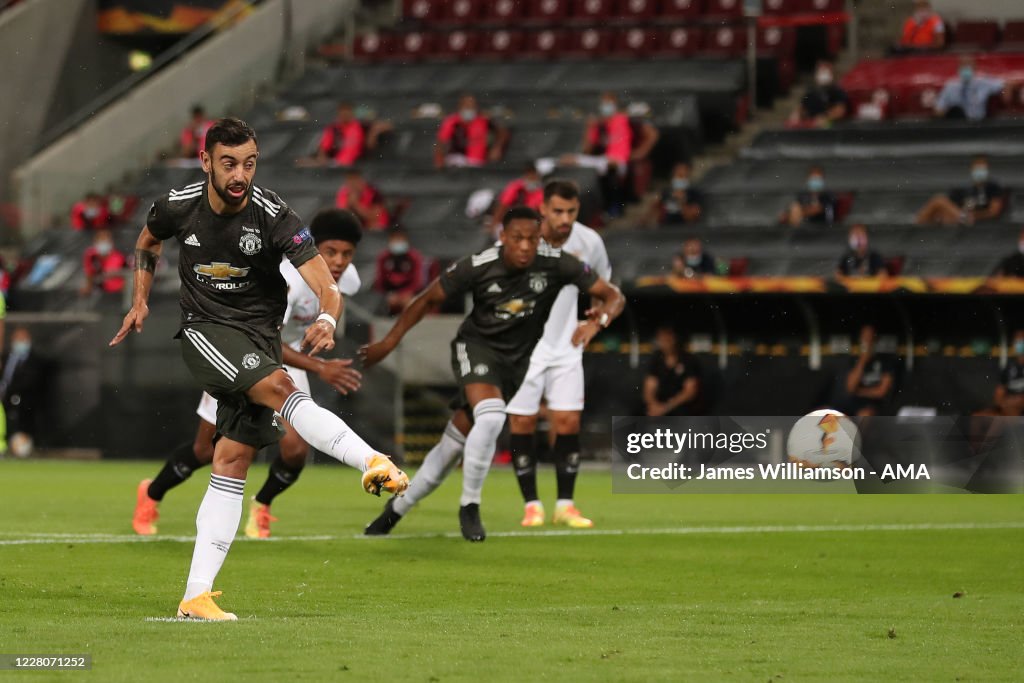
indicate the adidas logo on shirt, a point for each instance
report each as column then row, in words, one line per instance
column 192, row 241
column 494, row 288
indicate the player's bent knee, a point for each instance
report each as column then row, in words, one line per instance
column 489, row 416
column 565, row 422
column 522, row 424
column 272, row 390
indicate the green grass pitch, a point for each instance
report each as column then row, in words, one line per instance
column 694, row 588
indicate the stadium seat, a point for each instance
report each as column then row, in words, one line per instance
column 456, row 45
column 504, row 12
column 724, row 9
column 425, row 11
column 780, row 7
column 980, row 35
column 462, row 12
column 372, row 46
column 728, row 42
column 634, row 42
column 591, row 11
column 674, row 10
column 547, row 11
column 501, row 43
column 1013, row 36
column 679, row 41
column 591, row 43
column 636, row 10
column 777, row 41
column 414, row 46
column 822, row 6
column 546, row 43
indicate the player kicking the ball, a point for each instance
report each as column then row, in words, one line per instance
column 336, row 233
column 233, row 236
column 514, row 287
column 556, row 365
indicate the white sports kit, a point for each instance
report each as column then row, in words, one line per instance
column 303, row 310
column 556, row 366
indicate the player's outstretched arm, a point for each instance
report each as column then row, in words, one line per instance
column 147, row 253
column 608, row 303
column 320, row 335
column 338, row 372
column 409, row 317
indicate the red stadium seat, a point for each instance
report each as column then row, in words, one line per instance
column 636, row 10
column 422, row 10
column 373, row 46
column 635, row 41
column 502, row 43
column 680, row 41
column 546, row 43
column 728, row 42
column 504, row 12
column 463, row 12
column 777, row 41
column 724, row 9
column 781, row 7
column 982, row 35
column 414, row 45
column 457, row 45
column 591, row 11
column 681, row 9
column 1013, row 34
column 590, row 42
column 547, row 11
column 822, row 6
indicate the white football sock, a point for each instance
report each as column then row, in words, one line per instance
column 489, row 418
column 439, row 462
column 325, row 431
column 216, row 525
column 563, row 503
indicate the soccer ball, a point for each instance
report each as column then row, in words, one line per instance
column 824, row 438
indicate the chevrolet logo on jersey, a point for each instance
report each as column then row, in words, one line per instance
column 220, row 271
column 514, row 308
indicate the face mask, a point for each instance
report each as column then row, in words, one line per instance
column 399, row 248
column 104, row 248
column 1018, row 347
column 467, row 114
column 21, row 348
column 979, row 174
column 531, row 185
column 966, row 72
column 91, row 212
column 816, row 183
column 694, row 260
column 607, row 108
column 680, row 183
column 856, row 243
column 920, row 15
column 823, row 77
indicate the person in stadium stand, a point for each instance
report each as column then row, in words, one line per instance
column 233, row 236
column 337, row 234
column 923, row 30
column 469, row 137
column 824, row 103
column 103, row 265
column 672, row 385
column 692, row 261
column 869, row 382
column 983, row 200
column 1008, row 398
column 90, row 213
column 514, row 287
column 344, row 140
column 813, row 205
column 1012, row 265
column 193, row 135
column 967, row 95
column 681, row 202
column 399, row 274
column 526, row 190
column 364, row 200
column 859, row 259
column 555, row 373
column 22, row 386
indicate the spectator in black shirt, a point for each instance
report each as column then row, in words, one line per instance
column 1012, row 265
column 983, row 200
column 693, row 261
column 672, row 385
column 824, row 103
column 869, row 383
column 681, row 202
column 814, row 205
column 860, row 260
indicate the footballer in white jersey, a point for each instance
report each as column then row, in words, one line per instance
column 556, row 365
column 337, row 233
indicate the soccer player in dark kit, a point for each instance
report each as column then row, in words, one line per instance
column 514, row 287
column 233, row 235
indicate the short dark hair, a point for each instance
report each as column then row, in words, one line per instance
column 560, row 187
column 521, row 213
column 530, row 167
column 230, row 132
column 336, row 224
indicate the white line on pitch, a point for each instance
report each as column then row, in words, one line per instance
column 55, row 539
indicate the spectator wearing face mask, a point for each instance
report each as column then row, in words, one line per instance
column 344, row 140
column 693, row 261
column 813, row 205
column 1008, row 397
column 681, row 202
column 193, row 135
column 860, row 260
column 90, row 213
column 526, row 190
column 1012, row 265
column 364, row 200
column 103, row 265
column 21, row 388
column 824, row 103
column 982, row 200
column 967, row 95
column 399, row 271
column 469, row 137
column 923, row 30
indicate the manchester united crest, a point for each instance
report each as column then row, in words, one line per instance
column 538, row 282
column 250, row 242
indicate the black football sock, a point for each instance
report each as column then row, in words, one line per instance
column 177, row 469
column 524, row 460
column 279, row 478
column 567, row 464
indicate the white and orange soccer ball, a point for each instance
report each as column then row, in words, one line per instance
column 824, row 438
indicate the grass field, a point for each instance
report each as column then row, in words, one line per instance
column 688, row 587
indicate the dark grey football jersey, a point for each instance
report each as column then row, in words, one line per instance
column 230, row 265
column 510, row 306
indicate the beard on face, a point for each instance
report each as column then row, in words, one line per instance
column 222, row 191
